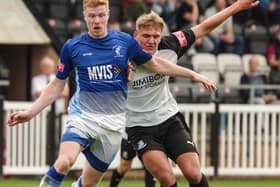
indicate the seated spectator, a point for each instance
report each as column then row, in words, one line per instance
column 115, row 25
column 203, row 44
column 4, row 70
column 254, row 78
column 133, row 9
column 47, row 67
column 187, row 14
column 76, row 27
column 267, row 13
column 4, row 75
column 273, row 56
column 163, row 8
column 223, row 36
column 242, row 17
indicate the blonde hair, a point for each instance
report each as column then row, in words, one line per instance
column 150, row 19
column 94, row 3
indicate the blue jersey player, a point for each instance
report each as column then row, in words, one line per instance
column 97, row 109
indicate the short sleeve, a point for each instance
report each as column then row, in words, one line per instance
column 179, row 41
column 136, row 54
column 65, row 64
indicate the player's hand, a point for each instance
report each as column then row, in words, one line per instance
column 129, row 70
column 207, row 83
column 247, row 4
column 19, row 117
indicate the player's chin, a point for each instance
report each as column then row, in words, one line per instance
column 150, row 50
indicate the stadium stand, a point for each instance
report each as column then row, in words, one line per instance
column 227, row 61
column 256, row 37
column 203, row 60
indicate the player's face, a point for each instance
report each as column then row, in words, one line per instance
column 96, row 19
column 148, row 38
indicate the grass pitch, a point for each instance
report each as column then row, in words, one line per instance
column 127, row 183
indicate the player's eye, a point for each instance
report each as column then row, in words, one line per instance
column 91, row 16
column 102, row 15
column 146, row 35
column 156, row 36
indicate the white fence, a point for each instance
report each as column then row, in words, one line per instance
column 198, row 124
column 26, row 144
column 249, row 140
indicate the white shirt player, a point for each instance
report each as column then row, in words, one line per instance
column 150, row 101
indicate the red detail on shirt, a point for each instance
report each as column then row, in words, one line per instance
column 271, row 52
column 181, row 38
column 60, row 67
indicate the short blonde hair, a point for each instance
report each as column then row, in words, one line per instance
column 150, row 19
column 94, row 3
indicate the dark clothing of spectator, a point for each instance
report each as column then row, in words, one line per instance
column 252, row 80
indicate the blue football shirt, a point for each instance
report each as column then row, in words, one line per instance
column 100, row 68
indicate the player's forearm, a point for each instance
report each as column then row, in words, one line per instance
column 212, row 22
column 164, row 67
column 51, row 92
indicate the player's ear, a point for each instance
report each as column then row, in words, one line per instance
column 135, row 33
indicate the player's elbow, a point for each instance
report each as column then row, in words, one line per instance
column 153, row 66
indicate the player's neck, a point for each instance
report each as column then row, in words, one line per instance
column 96, row 36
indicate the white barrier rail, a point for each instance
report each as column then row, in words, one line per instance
column 249, row 140
column 26, row 145
column 196, row 116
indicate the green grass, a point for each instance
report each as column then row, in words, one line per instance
column 126, row 183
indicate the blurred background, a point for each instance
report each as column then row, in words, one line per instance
column 237, row 129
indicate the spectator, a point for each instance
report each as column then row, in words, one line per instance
column 164, row 9
column 267, row 13
column 203, row 44
column 254, row 78
column 242, row 17
column 223, row 36
column 135, row 9
column 4, row 74
column 47, row 68
column 115, row 25
column 187, row 14
column 76, row 27
column 4, row 70
column 273, row 56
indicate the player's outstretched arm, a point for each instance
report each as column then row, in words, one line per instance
column 49, row 94
column 212, row 22
column 159, row 65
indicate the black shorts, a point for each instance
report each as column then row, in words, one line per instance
column 127, row 151
column 172, row 137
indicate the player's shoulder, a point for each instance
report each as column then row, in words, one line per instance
column 76, row 40
column 119, row 35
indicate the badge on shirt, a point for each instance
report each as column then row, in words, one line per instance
column 60, row 66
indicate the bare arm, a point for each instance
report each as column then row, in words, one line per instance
column 51, row 92
column 164, row 67
column 212, row 22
